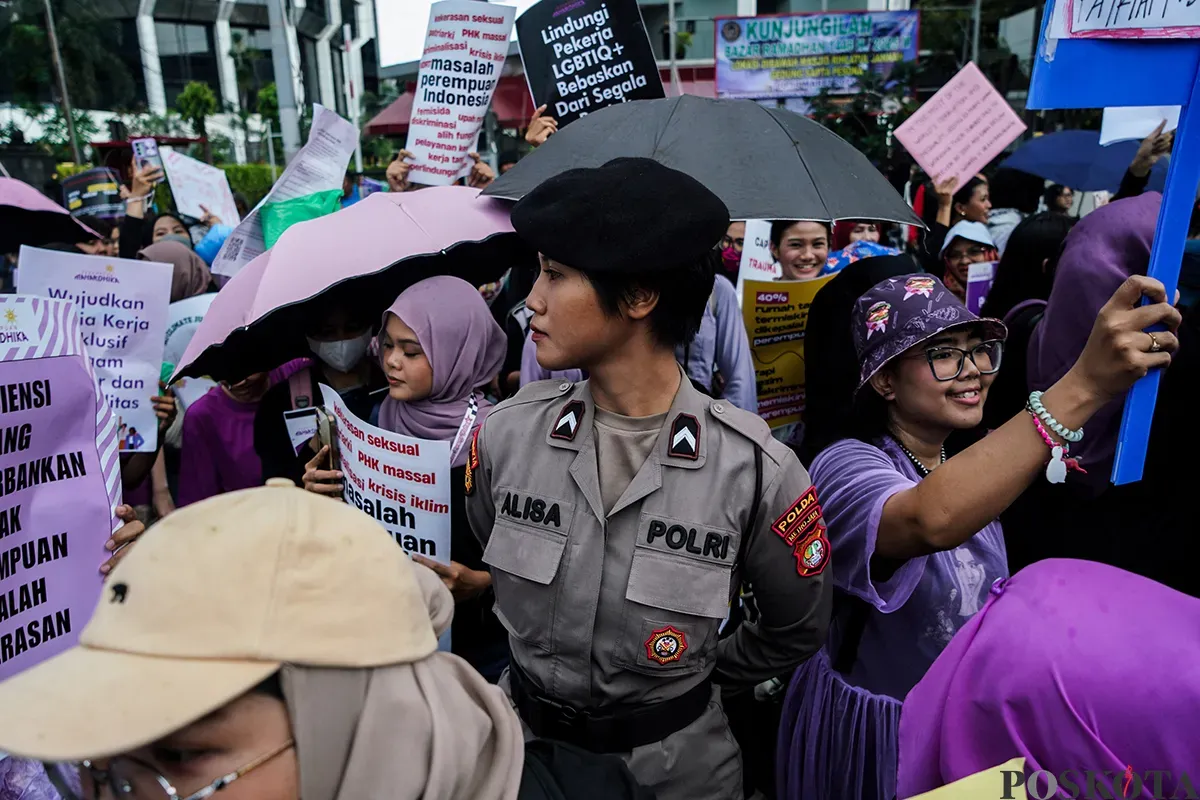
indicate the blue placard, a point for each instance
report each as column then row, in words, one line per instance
column 1099, row 73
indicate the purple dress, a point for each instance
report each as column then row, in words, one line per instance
column 838, row 739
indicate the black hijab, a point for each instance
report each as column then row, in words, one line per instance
column 831, row 364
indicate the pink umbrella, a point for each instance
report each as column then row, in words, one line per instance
column 29, row 217
column 361, row 257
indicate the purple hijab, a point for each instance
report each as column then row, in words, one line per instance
column 1105, row 248
column 1074, row 665
column 464, row 346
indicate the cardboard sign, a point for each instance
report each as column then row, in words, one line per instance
column 183, row 319
column 757, row 262
column 980, row 278
column 1124, row 19
column 197, row 186
column 95, row 193
column 402, row 482
column 776, row 315
column 1136, row 122
column 56, row 510
column 122, row 306
column 584, row 55
column 961, row 128
column 145, row 154
column 799, row 55
column 465, row 47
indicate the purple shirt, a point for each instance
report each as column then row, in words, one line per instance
column 218, row 448
column 919, row 608
column 532, row 371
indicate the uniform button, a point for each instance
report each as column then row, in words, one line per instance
column 562, row 387
column 717, row 407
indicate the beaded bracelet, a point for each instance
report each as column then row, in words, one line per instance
column 1036, row 408
column 1056, row 470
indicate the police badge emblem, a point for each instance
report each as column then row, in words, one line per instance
column 812, row 554
column 666, row 645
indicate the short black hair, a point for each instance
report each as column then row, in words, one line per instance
column 780, row 226
column 967, row 190
column 1053, row 193
column 683, row 293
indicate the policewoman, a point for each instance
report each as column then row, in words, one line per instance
column 621, row 514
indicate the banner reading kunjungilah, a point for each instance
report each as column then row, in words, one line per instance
column 59, row 481
column 122, row 306
column 776, row 316
column 582, row 55
column 402, row 482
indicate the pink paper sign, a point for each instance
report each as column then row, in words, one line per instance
column 961, row 128
column 1144, row 19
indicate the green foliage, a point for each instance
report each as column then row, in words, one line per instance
column 55, row 138
column 196, row 103
column 147, row 124
column 252, row 180
column 867, row 119
column 268, row 105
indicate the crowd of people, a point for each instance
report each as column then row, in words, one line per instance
column 649, row 592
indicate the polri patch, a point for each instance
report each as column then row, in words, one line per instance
column 685, row 437
column 812, row 554
column 666, row 645
column 569, row 419
column 472, row 464
column 800, row 519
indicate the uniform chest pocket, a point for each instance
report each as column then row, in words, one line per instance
column 677, row 596
column 525, row 557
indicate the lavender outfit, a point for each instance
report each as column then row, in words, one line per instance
column 465, row 348
column 1074, row 665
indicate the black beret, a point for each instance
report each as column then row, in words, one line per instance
column 630, row 215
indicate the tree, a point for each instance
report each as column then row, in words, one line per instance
column 868, row 118
column 55, row 138
column 267, row 101
column 196, row 104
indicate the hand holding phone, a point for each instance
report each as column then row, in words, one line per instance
column 322, row 474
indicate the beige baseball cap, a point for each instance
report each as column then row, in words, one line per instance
column 209, row 603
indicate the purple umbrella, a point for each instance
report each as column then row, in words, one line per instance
column 29, row 217
column 362, row 256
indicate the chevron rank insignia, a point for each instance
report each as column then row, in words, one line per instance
column 567, row 424
column 685, row 437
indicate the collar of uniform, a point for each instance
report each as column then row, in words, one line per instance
column 690, row 402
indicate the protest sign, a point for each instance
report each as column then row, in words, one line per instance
column 94, row 193
column 122, row 306
column 799, row 55
column 319, row 166
column 961, row 128
column 60, row 477
column 1124, row 19
column 145, row 154
column 1136, row 122
column 465, row 47
column 183, row 318
column 776, row 314
column 757, row 262
column 197, row 186
column 979, row 282
column 404, row 483
column 584, row 55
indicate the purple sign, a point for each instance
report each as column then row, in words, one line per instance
column 979, row 283
column 54, row 508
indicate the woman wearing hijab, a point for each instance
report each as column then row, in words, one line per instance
column 914, row 535
column 190, row 275
column 279, row 647
column 1043, row 673
column 438, row 346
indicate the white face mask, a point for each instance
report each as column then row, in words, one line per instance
column 342, row 355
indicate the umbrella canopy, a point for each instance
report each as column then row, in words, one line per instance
column 363, row 257
column 764, row 163
column 1078, row 160
column 29, row 217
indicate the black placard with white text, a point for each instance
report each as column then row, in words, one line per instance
column 583, row 55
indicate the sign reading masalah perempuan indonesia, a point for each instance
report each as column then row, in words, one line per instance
column 583, row 55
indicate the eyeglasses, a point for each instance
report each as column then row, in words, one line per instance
column 736, row 244
column 971, row 254
column 127, row 776
column 946, row 362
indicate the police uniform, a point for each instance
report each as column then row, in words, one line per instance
column 614, row 611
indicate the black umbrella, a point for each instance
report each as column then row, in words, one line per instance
column 765, row 163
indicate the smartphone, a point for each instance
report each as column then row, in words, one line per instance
column 327, row 436
column 145, row 153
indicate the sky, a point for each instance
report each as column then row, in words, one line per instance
column 402, row 23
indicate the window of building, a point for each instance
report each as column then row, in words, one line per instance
column 252, row 64
column 187, row 53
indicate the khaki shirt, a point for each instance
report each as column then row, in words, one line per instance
column 625, row 608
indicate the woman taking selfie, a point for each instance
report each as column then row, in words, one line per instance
column 916, row 545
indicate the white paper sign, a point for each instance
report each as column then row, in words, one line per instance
column 465, row 47
column 319, row 166
column 1127, row 19
column 123, row 313
column 197, row 186
column 183, row 318
column 402, row 482
column 1136, row 122
column 757, row 262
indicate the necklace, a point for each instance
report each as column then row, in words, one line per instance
column 921, row 468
